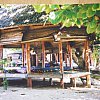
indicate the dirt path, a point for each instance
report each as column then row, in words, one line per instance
column 22, row 93
column 18, row 91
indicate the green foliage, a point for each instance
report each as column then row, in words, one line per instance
column 96, row 53
column 3, row 61
column 73, row 15
column 95, row 76
column 98, row 29
column 5, row 83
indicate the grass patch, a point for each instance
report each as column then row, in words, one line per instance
column 95, row 76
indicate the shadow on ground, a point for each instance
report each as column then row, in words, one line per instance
column 39, row 84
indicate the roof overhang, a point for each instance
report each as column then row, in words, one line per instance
column 16, row 35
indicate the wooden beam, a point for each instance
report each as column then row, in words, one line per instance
column 66, row 40
column 11, row 37
column 61, row 63
column 72, row 37
column 23, row 55
column 42, row 26
column 43, row 55
column 39, row 40
column 10, row 29
column 9, row 43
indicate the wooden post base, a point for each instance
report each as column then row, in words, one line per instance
column 62, row 83
column 29, row 82
column 88, row 81
column 50, row 81
column 1, row 80
column 43, row 79
column 74, row 82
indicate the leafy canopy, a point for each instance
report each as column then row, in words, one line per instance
column 87, row 15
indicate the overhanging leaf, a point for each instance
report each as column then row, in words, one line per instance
column 39, row 8
column 79, row 22
column 66, row 6
column 68, row 13
column 95, row 7
column 89, row 29
column 93, row 24
column 90, row 13
column 68, row 24
column 84, row 16
column 98, row 29
column 79, row 15
column 54, row 7
column 58, row 17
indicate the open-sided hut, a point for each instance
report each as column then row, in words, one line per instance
column 44, row 39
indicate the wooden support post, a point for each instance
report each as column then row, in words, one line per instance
column 87, row 56
column 61, row 63
column 88, row 78
column 60, row 56
column 23, row 56
column 28, row 64
column 70, row 54
column 36, row 44
column 1, row 56
column 70, row 60
column 67, row 53
column 66, row 59
column 70, row 51
column 50, row 81
column 43, row 55
column 56, row 57
column 36, row 60
column 1, row 51
column 50, row 57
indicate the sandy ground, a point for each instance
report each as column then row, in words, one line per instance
column 21, row 92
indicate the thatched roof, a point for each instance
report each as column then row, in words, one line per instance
column 38, row 32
